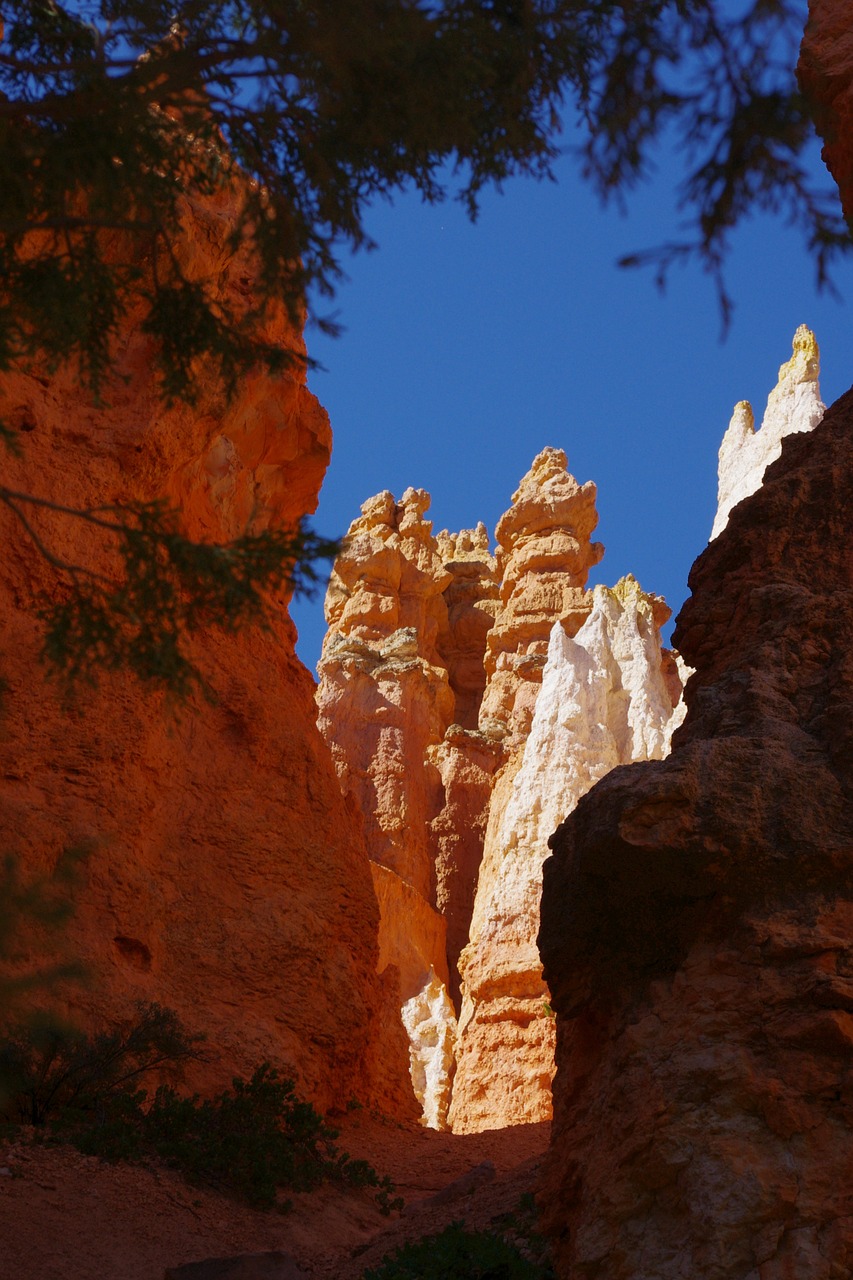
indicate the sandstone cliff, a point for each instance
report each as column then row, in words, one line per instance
column 228, row 879
column 696, row 925
column 794, row 404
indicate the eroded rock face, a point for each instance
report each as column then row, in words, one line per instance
column 422, row 706
column 385, row 700
column 697, row 918
column 466, row 762
column 604, row 701
column 471, row 597
column 438, row 739
column 384, row 696
column 228, row 879
column 825, row 73
column 794, row 404
column 543, row 559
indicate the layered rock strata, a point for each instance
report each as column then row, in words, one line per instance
column 697, row 918
column 227, row 878
column 431, row 677
column 385, row 700
column 544, row 555
column 472, row 597
column 793, row 405
column 604, row 701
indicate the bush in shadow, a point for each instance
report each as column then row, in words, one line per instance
column 250, row 1140
column 459, row 1254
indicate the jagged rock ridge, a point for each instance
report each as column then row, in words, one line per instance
column 430, row 679
column 794, row 404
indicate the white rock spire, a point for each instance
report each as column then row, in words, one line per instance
column 794, row 404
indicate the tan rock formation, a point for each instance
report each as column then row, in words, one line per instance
column 604, row 701
column 794, row 404
column 472, row 600
column 543, row 559
column 384, row 700
column 467, row 762
column 384, row 697
column 825, row 74
column 228, row 879
column 697, row 919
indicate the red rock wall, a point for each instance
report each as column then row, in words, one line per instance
column 697, row 926
column 825, row 74
column 228, row 878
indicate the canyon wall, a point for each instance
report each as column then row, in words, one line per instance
column 227, row 877
column 433, row 674
column 697, row 918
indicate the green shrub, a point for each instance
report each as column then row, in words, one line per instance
column 51, row 1072
column 458, row 1254
column 249, row 1140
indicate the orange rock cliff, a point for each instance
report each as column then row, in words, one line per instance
column 228, row 879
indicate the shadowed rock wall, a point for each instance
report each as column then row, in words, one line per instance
column 697, row 925
column 825, row 74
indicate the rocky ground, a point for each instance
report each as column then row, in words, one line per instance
column 64, row 1216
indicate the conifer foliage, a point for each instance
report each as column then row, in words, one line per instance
column 111, row 111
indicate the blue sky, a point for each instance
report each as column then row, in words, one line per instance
column 469, row 348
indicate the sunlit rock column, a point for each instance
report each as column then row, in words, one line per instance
column 472, row 598
column 543, row 558
column 384, row 699
column 604, row 701
column 794, row 404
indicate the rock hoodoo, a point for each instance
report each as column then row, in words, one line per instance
column 228, row 879
column 431, row 679
column 794, row 404
column 604, row 701
column 697, row 918
column 543, row 560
